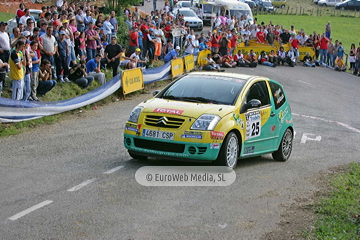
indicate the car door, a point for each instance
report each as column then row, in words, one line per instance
column 259, row 120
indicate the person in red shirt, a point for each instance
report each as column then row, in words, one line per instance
column 260, row 35
column 215, row 38
column 167, row 31
column 228, row 61
column 144, row 28
column 234, row 41
column 295, row 44
column 20, row 12
column 134, row 42
column 323, row 43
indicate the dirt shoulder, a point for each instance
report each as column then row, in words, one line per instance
column 297, row 219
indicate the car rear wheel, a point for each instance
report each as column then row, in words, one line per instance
column 282, row 6
column 284, row 151
column 229, row 151
column 138, row 157
column 324, row 5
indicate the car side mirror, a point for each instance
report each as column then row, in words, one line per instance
column 253, row 103
column 155, row 92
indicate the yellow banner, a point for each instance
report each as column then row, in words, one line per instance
column 302, row 51
column 189, row 63
column 132, row 80
column 177, row 67
column 257, row 49
column 202, row 56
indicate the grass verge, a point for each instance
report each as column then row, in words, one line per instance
column 338, row 215
column 6, row 16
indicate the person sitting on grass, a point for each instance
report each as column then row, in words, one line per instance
column 136, row 61
column 93, row 69
column 264, row 60
column 308, row 61
column 211, row 65
column 45, row 78
column 78, row 75
column 339, row 64
column 228, row 61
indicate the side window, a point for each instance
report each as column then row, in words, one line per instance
column 278, row 94
column 260, row 92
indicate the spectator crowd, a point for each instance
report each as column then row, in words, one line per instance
column 74, row 43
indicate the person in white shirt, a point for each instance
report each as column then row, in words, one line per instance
column 189, row 46
column 291, row 57
column 196, row 45
column 136, row 61
column 159, row 34
column 199, row 12
column 24, row 18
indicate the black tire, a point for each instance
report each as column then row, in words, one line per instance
column 284, row 151
column 230, row 147
column 139, row 157
column 324, row 5
column 282, row 6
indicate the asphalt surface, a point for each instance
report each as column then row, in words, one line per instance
column 45, row 166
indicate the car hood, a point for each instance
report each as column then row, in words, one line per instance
column 192, row 19
column 187, row 109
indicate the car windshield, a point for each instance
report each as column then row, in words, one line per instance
column 208, row 8
column 239, row 13
column 185, row 4
column 188, row 13
column 205, row 89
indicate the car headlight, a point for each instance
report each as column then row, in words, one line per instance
column 205, row 122
column 134, row 115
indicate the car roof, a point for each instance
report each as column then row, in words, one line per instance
column 244, row 77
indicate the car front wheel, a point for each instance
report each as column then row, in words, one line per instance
column 229, row 151
column 284, row 151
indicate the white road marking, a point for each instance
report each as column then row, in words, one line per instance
column 83, row 184
column 113, row 170
column 330, row 121
column 306, row 83
column 29, row 210
column 308, row 137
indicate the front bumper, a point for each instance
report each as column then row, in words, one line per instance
column 176, row 150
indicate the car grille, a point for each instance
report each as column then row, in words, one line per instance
column 159, row 146
column 163, row 122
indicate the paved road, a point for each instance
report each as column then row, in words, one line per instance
column 57, row 172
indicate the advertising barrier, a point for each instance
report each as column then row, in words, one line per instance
column 202, row 56
column 132, row 80
column 177, row 67
column 189, row 62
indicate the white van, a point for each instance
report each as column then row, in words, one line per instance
column 331, row 3
column 233, row 8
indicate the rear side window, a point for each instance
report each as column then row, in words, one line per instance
column 278, row 94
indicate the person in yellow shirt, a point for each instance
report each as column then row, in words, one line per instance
column 17, row 61
column 339, row 64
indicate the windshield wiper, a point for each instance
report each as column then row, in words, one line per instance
column 171, row 97
column 199, row 99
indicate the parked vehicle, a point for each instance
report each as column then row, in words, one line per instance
column 265, row 6
column 349, row 5
column 278, row 3
column 251, row 4
column 233, row 8
column 191, row 17
column 12, row 22
column 316, row 1
column 331, row 3
column 207, row 9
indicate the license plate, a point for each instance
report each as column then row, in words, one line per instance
column 158, row 134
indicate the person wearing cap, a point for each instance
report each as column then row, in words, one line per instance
column 4, row 43
column 93, row 69
column 134, row 40
column 91, row 37
column 61, row 58
column 112, row 54
column 173, row 54
column 17, row 64
column 49, row 47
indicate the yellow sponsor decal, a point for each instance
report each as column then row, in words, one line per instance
column 132, row 80
column 189, row 63
column 202, row 56
column 177, row 67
